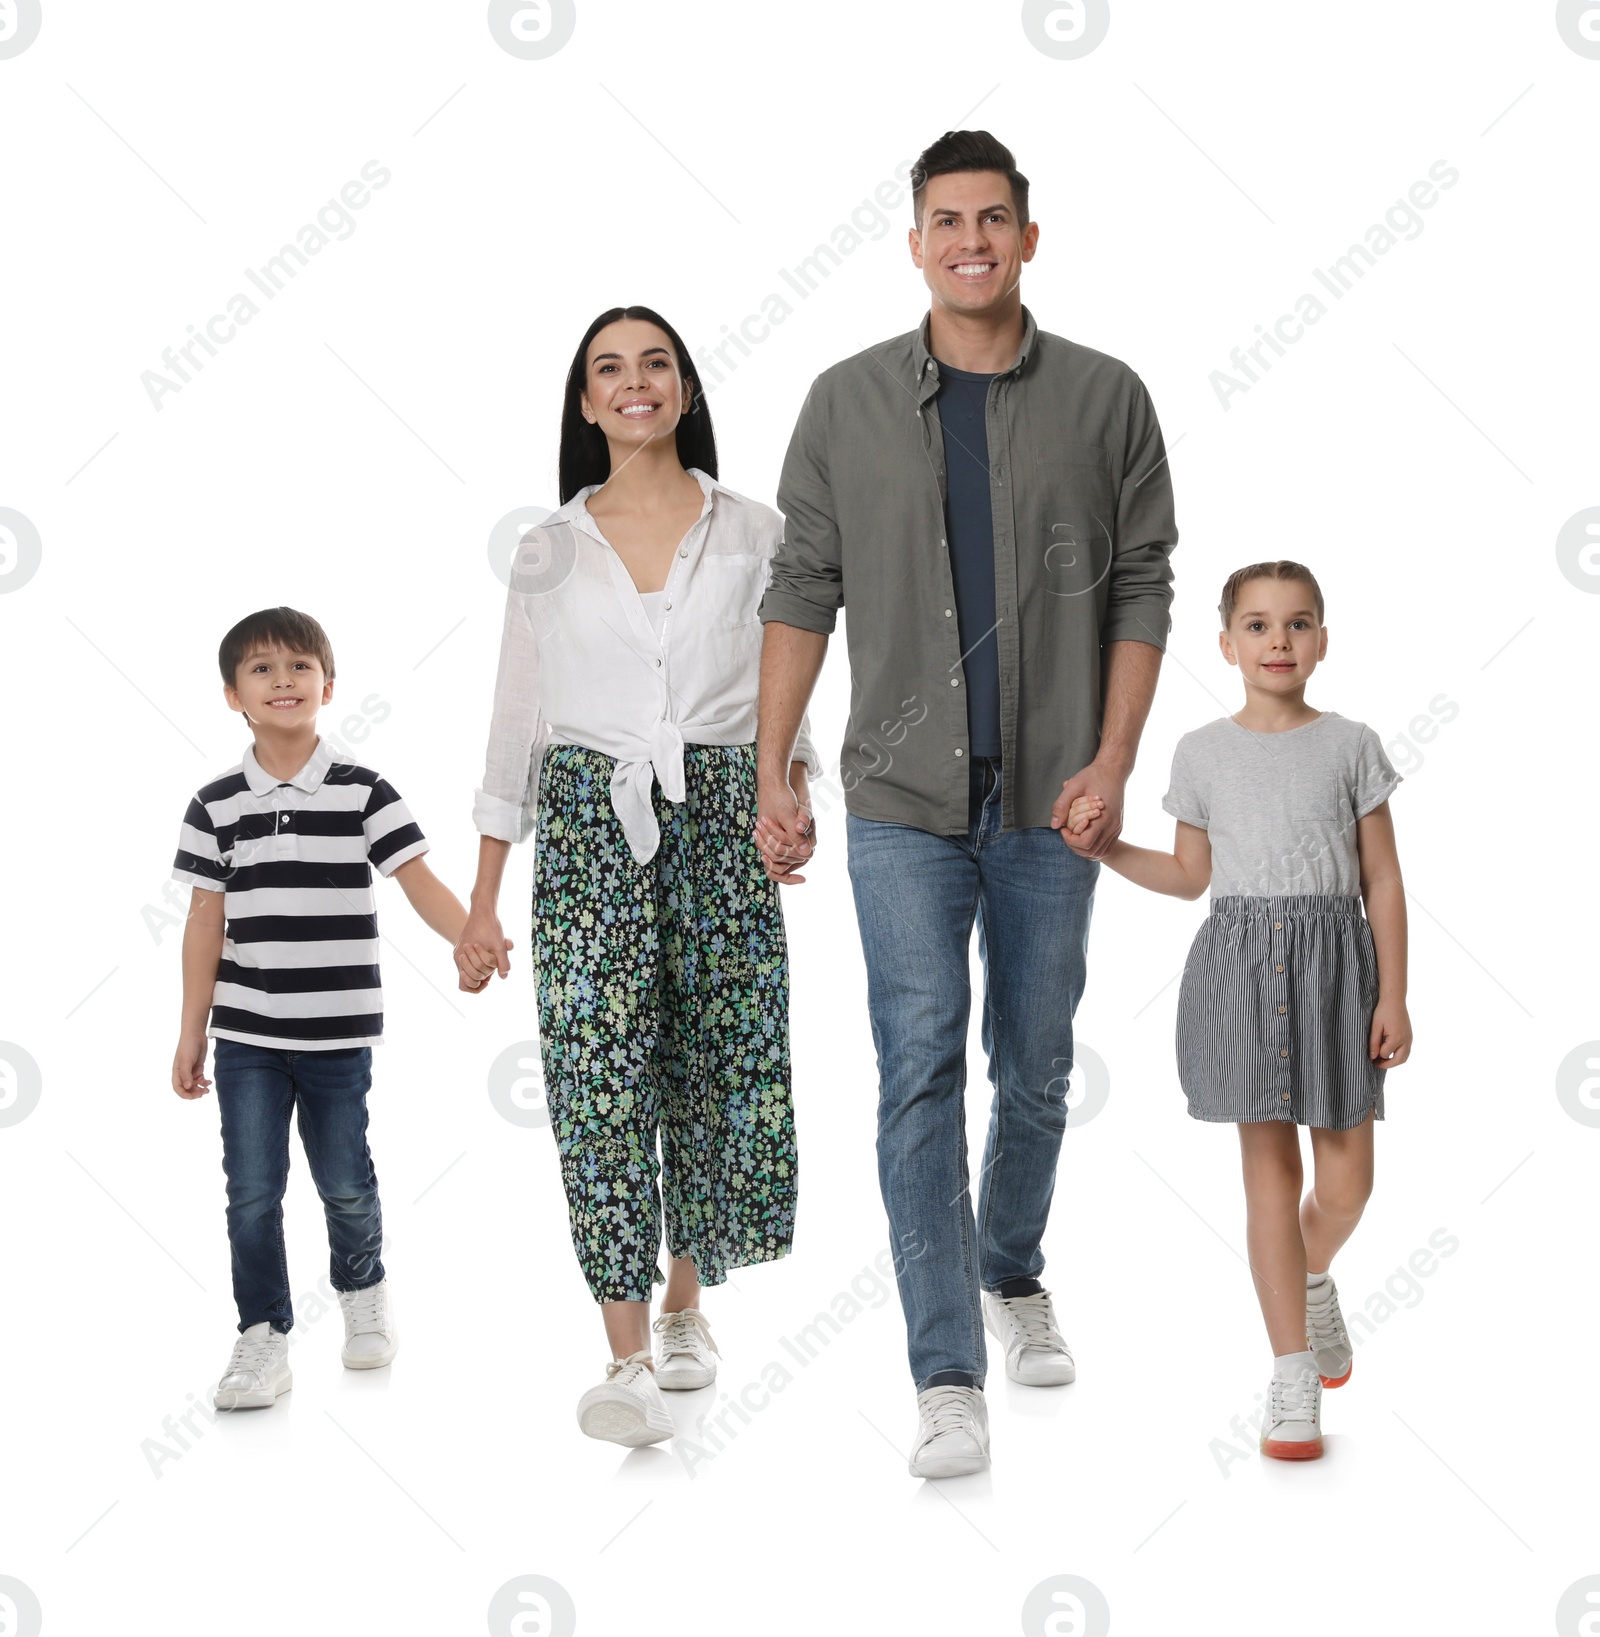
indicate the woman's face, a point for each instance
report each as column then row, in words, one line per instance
column 633, row 389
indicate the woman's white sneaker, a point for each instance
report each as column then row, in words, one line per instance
column 1293, row 1428
column 684, row 1354
column 1326, row 1335
column 370, row 1337
column 952, row 1433
column 257, row 1373
column 1036, row 1353
column 627, row 1407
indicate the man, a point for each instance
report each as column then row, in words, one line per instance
column 992, row 505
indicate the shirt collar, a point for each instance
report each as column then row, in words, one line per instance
column 927, row 366
column 576, row 512
column 309, row 778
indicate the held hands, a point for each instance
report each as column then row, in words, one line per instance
column 785, row 833
column 1093, row 798
column 481, row 952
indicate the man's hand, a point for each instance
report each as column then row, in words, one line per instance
column 188, row 1068
column 785, row 831
column 1095, row 839
column 481, row 951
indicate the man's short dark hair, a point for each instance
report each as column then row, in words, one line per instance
column 274, row 628
column 959, row 151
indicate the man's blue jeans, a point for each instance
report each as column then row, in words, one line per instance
column 259, row 1088
column 917, row 896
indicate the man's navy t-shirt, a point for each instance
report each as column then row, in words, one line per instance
column 969, row 528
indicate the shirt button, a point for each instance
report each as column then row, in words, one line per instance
column 1286, row 1096
column 658, row 667
column 666, row 605
column 1275, row 969
column 1282, row 1010
column 1283, row 1051
column 684, row 552
column 1277, row 926
column 947, row 611
column 958, row 750
column 955, row 682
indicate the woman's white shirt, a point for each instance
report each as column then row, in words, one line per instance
column 581, row 662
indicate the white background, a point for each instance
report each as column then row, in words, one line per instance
column 348, row 453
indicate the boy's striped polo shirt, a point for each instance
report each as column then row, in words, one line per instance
column 294, row 859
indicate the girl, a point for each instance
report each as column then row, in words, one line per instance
column 1292, row 1006
column 623, row 729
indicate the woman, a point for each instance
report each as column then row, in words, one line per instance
column 623, row 731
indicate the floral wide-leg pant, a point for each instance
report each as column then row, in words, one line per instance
column 663, row 1005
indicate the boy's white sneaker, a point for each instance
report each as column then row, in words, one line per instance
column 627, row 1407
column 1293, row 1427
column 684, row 1354
column 952, row 1434
column 370, row 1337
column 1326, row 1335
column 1036, row 1353
column 257, row 1373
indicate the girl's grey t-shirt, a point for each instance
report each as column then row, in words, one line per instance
column 1280, row 808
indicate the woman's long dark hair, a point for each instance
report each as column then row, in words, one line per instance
column 585, row 456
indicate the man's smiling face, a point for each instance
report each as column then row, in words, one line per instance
column 971, row 246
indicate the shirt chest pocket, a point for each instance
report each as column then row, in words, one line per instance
column 727, row 594
column 1067, row 530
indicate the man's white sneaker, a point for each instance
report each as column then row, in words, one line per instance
column 258, row 1371
column 627, row 1407
column 684, row 1354
column 370, row 1337
column 953, row 1433
column 1326, row 1335
column 1293, row 1428
column 1036, row 1354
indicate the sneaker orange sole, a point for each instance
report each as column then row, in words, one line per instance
column 1292, row 1449
column 1332, row 1381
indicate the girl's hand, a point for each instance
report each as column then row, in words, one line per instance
column 1390, row 1043
column 188, row 1068
column 1083, row 812
column 785, row 834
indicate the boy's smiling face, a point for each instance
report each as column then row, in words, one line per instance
column 1274, row 636
column 279, row 691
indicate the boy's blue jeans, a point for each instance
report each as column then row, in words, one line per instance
column 259, row 1088
column 917, row 896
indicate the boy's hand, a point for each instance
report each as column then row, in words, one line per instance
column 1390, row 1044
column 188, row 1068
column 1083, row 811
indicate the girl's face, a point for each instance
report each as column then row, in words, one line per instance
column 1274, row 636
column 633, row 389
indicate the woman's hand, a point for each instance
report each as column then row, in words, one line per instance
column 481, row 950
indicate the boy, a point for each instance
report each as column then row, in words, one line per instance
column 282, row 847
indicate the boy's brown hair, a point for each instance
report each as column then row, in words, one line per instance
column 274, row 628
column 1283, row 569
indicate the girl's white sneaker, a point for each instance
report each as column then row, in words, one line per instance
column 684, row 1354
column 258, row 1372
column 1293, row 1428
column 1326, row 1335
column 627, row 1407
column 370, row 1337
